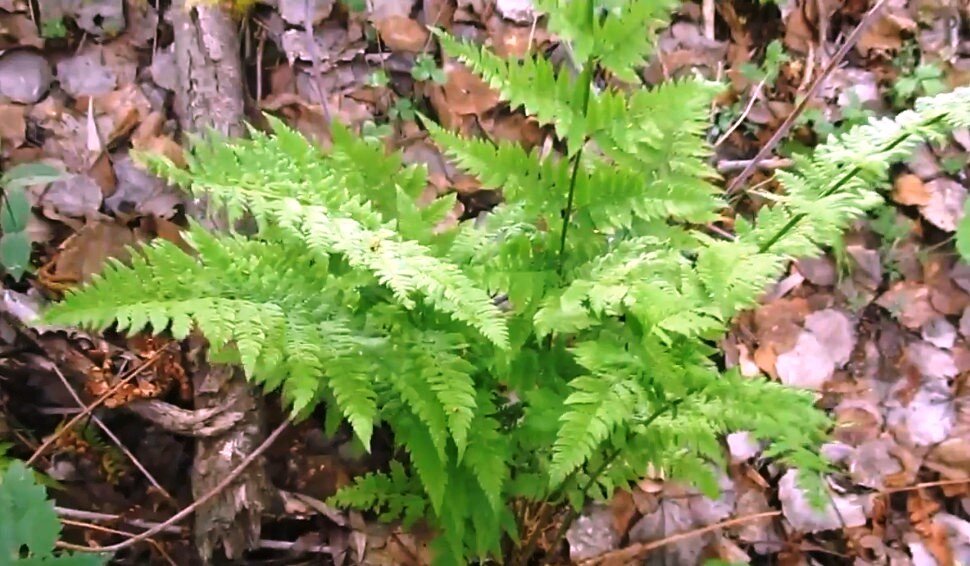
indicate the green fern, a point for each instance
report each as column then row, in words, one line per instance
column 551, row 352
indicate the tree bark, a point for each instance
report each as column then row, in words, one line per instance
column 210, row 97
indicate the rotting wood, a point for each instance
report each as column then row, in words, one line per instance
column 210, row 97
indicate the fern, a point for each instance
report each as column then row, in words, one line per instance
column 598, row 364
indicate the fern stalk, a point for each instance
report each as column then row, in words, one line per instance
column 586, row 80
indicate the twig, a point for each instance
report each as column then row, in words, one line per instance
column 79, row 514
column 729, row 165
column 87, row 410
column 744, row 115
column 93, row 527
column 107, row 431
column 235, row 473
column 786, row 125
column 925, row 485
column 707, row 12
column 629, row 554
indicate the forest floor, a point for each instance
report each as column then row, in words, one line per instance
column 880, row 326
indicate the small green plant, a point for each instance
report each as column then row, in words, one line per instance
column 53, row 28
column 925, row 80
column 426, row 69
column 775, row 57
column 379, row 78
column 29, row 527
column 403, row 109
column 15, row 244
column 550, row 354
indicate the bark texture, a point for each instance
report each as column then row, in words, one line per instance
column 210, row 97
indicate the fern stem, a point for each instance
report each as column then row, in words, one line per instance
column 586, row 78
column 838, row 185
column 594, row 477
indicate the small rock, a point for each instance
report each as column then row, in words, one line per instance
column 939, row 332
column 85, row 75
column 592, row 533
column 25, row 76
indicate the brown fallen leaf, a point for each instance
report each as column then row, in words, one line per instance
column 910, row 303
column 401, row 33
column 83, row 255
column 13, row 127
column 465, row 92
column 909, row 190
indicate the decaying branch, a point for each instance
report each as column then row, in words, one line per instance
column 210, row 97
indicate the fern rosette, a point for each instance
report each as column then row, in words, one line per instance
column 601, row 366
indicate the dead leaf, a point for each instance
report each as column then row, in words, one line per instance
column 78, row 196
column 886, row 33
column 103, row 173
column 86, row 75
column 25, row 76
column 939, row 332
column 945, row 207
column 910, row 303
column 465, row 92
column 840, row 510
column 140, row 193
column 909, row 190
column 83, row 254
column 403, row 34
column 13, row 127
column 519, row 11
column 818, row 271
column 835, row 331
column 592, row 533
column 163, row 145
column 298, row 12
column 102, row 18
column 624, row 510
column 808, row 365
